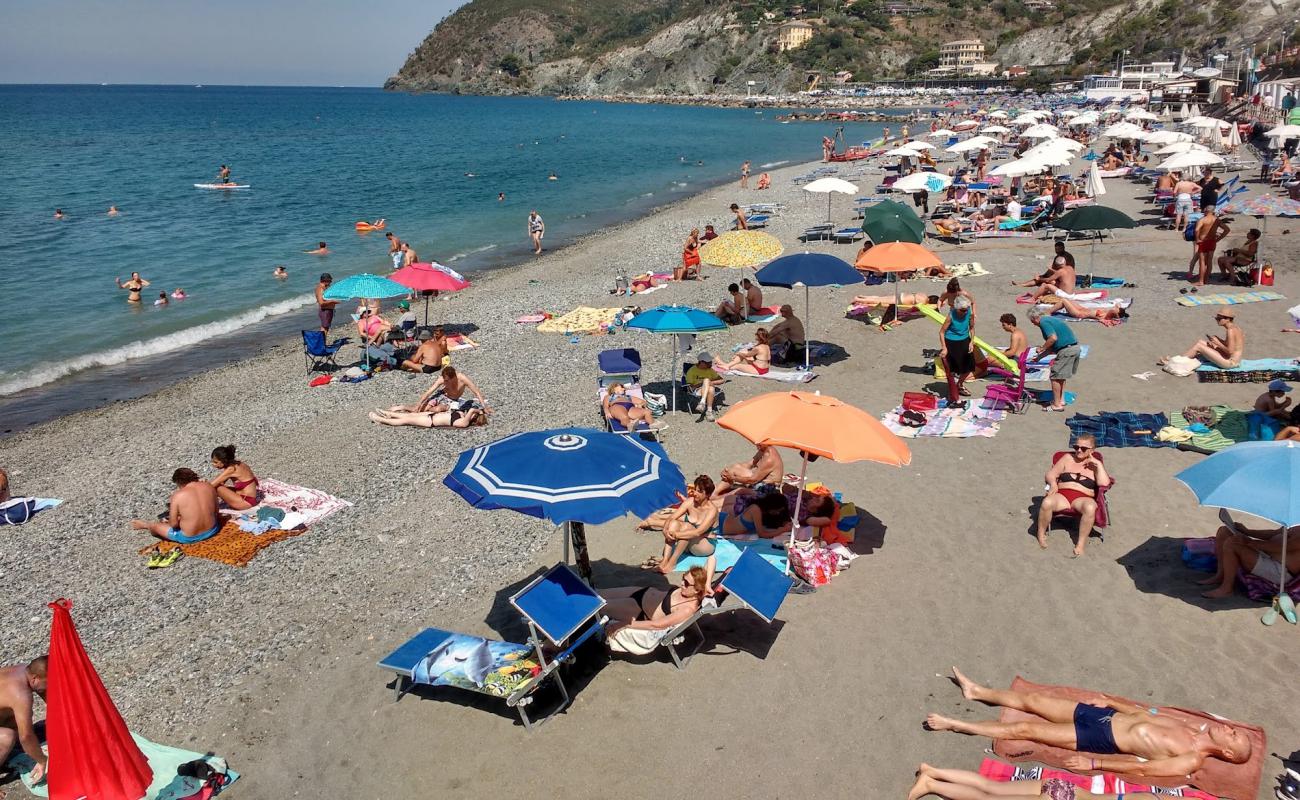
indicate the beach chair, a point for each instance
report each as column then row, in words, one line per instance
column 848, row 235
column 757, row 220
column 621, row 366
column 1102, row 519
column 557, row 605
column 318, row 354
column 1012, row 392
column 818, row 232
column 752, row 582
column 691, row 400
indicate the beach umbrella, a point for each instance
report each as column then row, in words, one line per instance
column 920, row 145
column 1028, row 118
column 966, row 124
column 1095, row 187
column 829, row 186
column 995, row 129
column 808, row 269
column 905, row 150
column 1040, row 131
column 675, row 319
column 92, row 754
column 816, row 425
column 1122, row 130
column 1093, row 218
column 568, row 476
column 889, row 221
column 1178, row 147
column 1019, row 168
column 1087, row 118
column 1167, row 137
column 942, row 133
column 365, row 287
column 428, row 278
column 741, row 249
column 1283, row 132
column 895, row 257
column 1140, row 115
column 1189, row 160
column 973, row 143
column 1234, row 136
column 923, row 182
column 999, row 115
column 1258, row 478
column 1263, row 206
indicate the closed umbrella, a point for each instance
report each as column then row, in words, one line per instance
column 741, row 249
column 829, row 186
column 815, row 425
column 1234, row 136
column 808, row 269
column 895, row 257
column 1095, row 188
column 569, row 476
column 429, row 278
column 1094, row 218
column 1258, row 478
column 889, row 221
column 675, row 319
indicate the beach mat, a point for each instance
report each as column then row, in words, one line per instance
column 949, row 423
column 1236, row 298
column 1104, row 783
column 727, row 551
column 582, row 319
column 1229, row 428
column 970, row 269
column 460, row 342
column 767, row 314
column 163, row 761
column 1220, row 778
column 773, row 374
column 1251, row 370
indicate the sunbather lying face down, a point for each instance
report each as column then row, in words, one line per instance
column 906, row 298
column 764, row 467
column 649, row 608
column 625, row 408
column 960, row 784
column 1127, row 739
column 767, row 517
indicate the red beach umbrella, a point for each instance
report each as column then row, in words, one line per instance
column 92, row 754
column 430, row 277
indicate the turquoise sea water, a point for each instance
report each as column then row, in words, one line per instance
column 317, row 160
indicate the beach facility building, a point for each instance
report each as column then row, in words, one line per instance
column 1131, row 82
column 963, row 53
column 793, row 35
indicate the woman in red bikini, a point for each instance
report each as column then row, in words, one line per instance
column 1072, row 483
column 242, row 492
column 757, row 360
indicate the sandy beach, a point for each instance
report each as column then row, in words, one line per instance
column 273, row 666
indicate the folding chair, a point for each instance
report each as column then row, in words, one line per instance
column 623, row 366
column 1102, row 518
column 1012, row 392
column 556, row 605
column 317, row 353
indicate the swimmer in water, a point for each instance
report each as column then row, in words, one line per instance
column 501, row 197
column 470, row 175
column 223, row 174
column 133, row 287
column 179, row 294
column 321, row 250
column 162, row 299
column 58, row 213
column 113, row 212
column 552, row 177
column 281, row 272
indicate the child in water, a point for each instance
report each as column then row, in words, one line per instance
column 162, row 299
column 179, row 294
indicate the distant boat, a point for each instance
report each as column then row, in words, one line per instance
column 198, row 86
column 103, row 84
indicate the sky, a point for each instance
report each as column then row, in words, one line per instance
column 268, row 42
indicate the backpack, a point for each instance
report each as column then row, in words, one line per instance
column 1189, row 233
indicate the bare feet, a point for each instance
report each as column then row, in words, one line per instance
column 1218, row 594
column 969, row 688
column 1078, row 551
column 938, row 722
column 1042, row 541
column 1214, row 581
column 919, row 789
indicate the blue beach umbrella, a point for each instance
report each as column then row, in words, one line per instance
column 1259, row 478
column 808, row 269
column 568, row 475
column 365, row 287
column 676, row 319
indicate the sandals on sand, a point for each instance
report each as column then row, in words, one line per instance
column 161, row 560
column 650, row 563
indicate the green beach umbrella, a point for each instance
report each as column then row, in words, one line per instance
column 1093, row 218
column 888, row 221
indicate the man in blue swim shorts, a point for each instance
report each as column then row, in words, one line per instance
column 191, row 513
column 1116, row 736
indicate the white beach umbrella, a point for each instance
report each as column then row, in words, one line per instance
column 1167, row 137
column 1234, row 136
column 1087, row 118
column 1040, row 131
column 999, row 115
column 995, row 129
column 1019, row 168
column 1070, row 112
column 1052, row 158
column 1096, row 188
column 1139, row 115
column 974, row 143
column 942, row 133
column 1190, row 160
column 923, row 182
column 1205, row 122
column 1183, row 113
column 1122, row 130
column 830, row 186
column 1025, row 119
column 1179, row 147
column 1283, row 132
column 1073, row 145
column 966, row 124
column 919, row 145
column 901, row 151
column 1196, row 109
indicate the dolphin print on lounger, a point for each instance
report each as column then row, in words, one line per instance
column 478, row 664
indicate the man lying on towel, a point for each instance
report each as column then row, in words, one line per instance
column 1126, row 739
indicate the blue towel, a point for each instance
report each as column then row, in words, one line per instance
column 1099, row 282
column 727, row 552
column 1120, row 428
column 1255, row 365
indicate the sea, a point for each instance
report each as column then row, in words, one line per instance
column 316, row 161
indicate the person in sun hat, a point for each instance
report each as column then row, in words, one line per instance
column 1271, row 412
column 1222, row 351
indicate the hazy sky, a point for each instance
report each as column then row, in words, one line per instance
column 270, row 42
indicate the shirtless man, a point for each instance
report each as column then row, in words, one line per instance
column 1060, row 258
column 394, row 249
column 223, row 174
column 1209, row 230
column 1018, row 344
column 321, row 250
column 408, row 254
column 17, row 685
column 741, row 223
column 446, row 394
column 325, row 308
column 788, row 331
column 753, row 296
column 1224, row 351
column 732, row 309
column 764, row 467
column 1257, row 551
column 428, row 357
column 1274, row 402
column 1129, row 740
column 191, row 512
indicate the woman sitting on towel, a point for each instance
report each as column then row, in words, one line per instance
column 650, row 608
column 626, row 409
column 687, row 527
column 452, row 418
column 757, row 360
column 241, row 494
column 960, row 784
column 1077, row 311
column 766, row 518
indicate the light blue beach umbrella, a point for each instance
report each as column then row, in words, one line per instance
column 1259, row 478
column 365, row 287
column 676, row 319
column 568, row 476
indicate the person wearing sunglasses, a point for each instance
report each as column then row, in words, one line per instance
column 1222, row 351
column 1072, row 483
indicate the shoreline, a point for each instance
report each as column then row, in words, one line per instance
column 787, row 101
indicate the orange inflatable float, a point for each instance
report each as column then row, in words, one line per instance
column 377, row 225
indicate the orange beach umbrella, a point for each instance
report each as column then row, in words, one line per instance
column 815, row 424
column 897, row 257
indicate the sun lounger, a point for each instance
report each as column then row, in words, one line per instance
column 847, row 235
column 556, row 606
column 818, row 232
column 755, row 221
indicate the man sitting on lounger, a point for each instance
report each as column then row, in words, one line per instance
column 431, row 355
column 191, row 511
column 765, row 467
column 788, row 334
column 1129, row 740
column 1222, row 351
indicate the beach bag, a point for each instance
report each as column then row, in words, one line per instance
column 1189, row 233
column 812, row 564
column 1198, row 554
column 17, row 511
column 919, row 401
column 1181, row 366
column 657, row 403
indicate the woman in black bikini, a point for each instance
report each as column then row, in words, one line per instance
column 649, row 608
column 133, row 287
column 1072, row 483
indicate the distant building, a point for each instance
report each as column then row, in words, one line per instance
column 1134, row 81
column 1016, row 71
column 902, row 9
column 793, row 35
column 1039, row 5
column 961, row 53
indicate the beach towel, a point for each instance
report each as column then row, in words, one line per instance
column 949, row 423
column 773, row 374
column 460, row 342
column 1237, row 298
column 532, row 319
column 1216, row 777
column 727, row 551
column 1114, row 173
column 1120, row 428
column 1000, row 234
column 971, row 269
column 1039, row 370
column 163, row 761
column 1098, row 282
column 1079, row 297
column 583, row 319
column 764, row 315
column 1229, row 428
column 1102, row 783
column 18, row 510
column 1251, row 370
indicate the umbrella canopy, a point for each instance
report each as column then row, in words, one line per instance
column 1096, row 187
column 901, row 151
column 999, row 115
column 1122, row 130
column 426, row 277
column 1028, row 118
column 806, row 269
column 1140, row 115
column 1019, row 168
column 1190, row 159
column 829, row 186
column 741, row 249
column 917, row 144
column 995, row 129
column 923, row 182
column 1167, row 137
column 1087, row 118
column 897, row 257
column 1283, row 132
column 942, row 133
column 1094, row 218
column 365, row 287
column 1179, row 147
column 974, row 143
column 91, row 750
column 676, row 319
column 888, row 221
column 1040, row 131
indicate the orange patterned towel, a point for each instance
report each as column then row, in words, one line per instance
column 230, row 546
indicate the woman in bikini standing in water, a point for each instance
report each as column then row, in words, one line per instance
column 133, row 287
column 242, row 492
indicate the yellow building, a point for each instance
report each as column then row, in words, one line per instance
column 793, row 35
column 961, row 53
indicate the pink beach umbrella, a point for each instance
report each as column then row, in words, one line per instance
column 429, row 278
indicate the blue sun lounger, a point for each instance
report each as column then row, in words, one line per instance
column 557, row 606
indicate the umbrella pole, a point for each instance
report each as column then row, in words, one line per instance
column 807, row 340
column 578, row 532
column 565, row 526
column 426, row 311
column 798, row 505
column 672, row 374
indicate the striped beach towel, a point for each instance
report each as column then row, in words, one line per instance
column 1104, row 783
column 1237, row 298
column 1229, row 428
column 1251, row 370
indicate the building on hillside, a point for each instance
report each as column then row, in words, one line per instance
column 1039, row 5
column 1133, row 81
column 961, row 53
column 902, row 9
column 793, row 35
column 1015, row 71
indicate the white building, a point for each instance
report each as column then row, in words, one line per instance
column 1134, row 81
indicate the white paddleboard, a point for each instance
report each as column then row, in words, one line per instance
column 221, row 186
